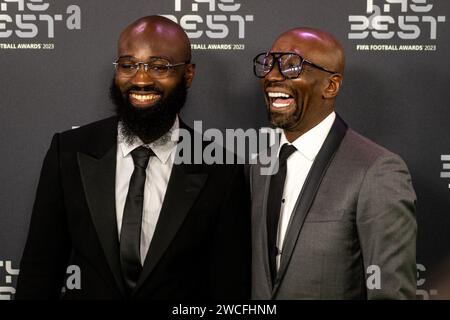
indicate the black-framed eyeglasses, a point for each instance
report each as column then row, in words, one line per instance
column 290, row 64
column 156, row 67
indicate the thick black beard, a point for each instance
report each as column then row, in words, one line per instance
column 151, row 123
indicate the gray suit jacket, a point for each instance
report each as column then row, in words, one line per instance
column 352, row 234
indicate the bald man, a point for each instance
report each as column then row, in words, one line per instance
column 116, row 216
column 337, row 219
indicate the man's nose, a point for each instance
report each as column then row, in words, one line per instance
column 275, row 74
column 142, row 77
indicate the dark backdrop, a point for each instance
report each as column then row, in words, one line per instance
column 56, row 66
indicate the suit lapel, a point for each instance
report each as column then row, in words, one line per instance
column 183, row 189
column 308, row 193
column 263, row 229
column 185, row 183
column 98, row 169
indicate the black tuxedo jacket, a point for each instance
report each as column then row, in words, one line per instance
column 200, row 249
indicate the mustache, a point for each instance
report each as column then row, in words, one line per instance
column 277, row 84
column 148, row 88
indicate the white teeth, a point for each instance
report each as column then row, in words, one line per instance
column 144, row 97
column 280, row 105
column 277, row 95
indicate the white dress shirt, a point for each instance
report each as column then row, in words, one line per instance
column 298, row 166
column 157, row 177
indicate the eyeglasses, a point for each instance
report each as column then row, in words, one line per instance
column 157, row 67
column 290, row 64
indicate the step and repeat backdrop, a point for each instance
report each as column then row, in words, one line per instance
column 56, row 67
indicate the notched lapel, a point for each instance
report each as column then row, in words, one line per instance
column 263, row 229
column 308, row 193
column 182, row 190
column 98, row 177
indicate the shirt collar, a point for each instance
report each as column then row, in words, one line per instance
column 311, row 141
column 162, row 147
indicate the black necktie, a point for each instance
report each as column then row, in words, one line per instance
column 274, row 206
column 130, row 233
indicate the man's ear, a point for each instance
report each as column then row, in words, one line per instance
column 334, row 83
column 189, row 74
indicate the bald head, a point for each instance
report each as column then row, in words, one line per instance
column 315, row 45
column 159, row 34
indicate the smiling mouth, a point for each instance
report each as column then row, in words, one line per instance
column 280, row 100
column 143, row 99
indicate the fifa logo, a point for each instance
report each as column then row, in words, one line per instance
column 421, row 292
column 415, row 20
column 219, row 23
column 446, row 166
column 26, row 18
column 7, row 290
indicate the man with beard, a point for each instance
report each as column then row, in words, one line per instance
column 337, row 219
column 113, row 203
